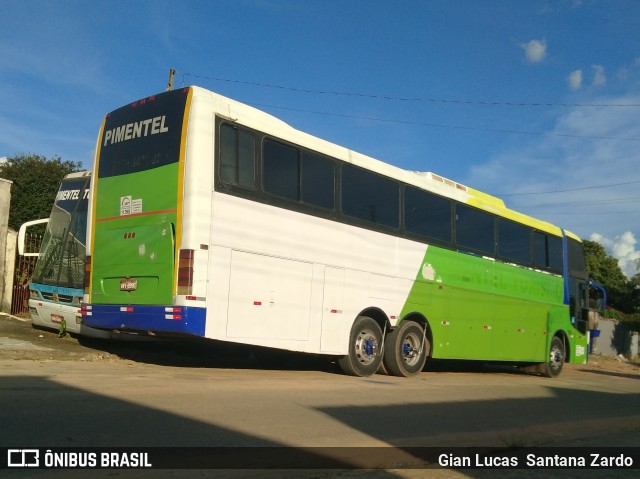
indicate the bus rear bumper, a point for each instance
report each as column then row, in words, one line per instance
column 177, row 320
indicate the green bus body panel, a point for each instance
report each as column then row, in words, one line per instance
column 483, row 309
column 139, row 245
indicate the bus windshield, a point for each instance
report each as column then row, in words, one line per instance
column 62, row 255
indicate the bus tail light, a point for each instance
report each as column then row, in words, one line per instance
column 185, row 272
column 87, row 274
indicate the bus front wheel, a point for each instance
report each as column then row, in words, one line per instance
column 555, row 361
column 406, row 349
column 365, row 341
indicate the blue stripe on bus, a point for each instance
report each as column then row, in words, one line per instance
column 146, row 318
column 565, row 268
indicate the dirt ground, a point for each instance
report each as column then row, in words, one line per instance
column 20, row 341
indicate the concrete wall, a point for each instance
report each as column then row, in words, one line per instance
column 9, row 270
column 615, row 339
column 6, row 279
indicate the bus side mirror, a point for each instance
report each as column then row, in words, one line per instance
column 22, row 234
column 599, row 295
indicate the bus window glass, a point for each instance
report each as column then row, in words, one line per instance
column 426, row 214
column 237, row 156
column 317, row 181
column 281, row 170
column 228, row 154
column 474, row 230
column 540, row 250
column 370, row 197
column 246, row 159
column 575, row 258
column 555, row 253
column 514, row 242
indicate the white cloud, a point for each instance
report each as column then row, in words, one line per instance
column 535, row 50
column 622, row 248
column 578, row 176
column 575, row 80
column 599, row 78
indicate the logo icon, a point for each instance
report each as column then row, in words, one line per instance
column 23, row 458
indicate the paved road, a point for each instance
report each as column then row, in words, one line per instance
column 62, row 393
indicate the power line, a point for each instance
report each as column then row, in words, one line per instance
column 456, row 127
column 593, row 213
column 587, row 203
column 412, row 99
column 568, row 190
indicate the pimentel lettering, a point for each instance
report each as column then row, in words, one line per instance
column 72, row 195
column 131, row 131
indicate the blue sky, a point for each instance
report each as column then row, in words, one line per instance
column 537, row 102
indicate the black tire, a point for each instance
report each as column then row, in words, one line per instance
column 555, row 360
column 406, row 349
column 365, row 343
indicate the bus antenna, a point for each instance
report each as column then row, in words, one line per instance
column 172, row 72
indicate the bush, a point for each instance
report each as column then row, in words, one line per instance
column 631, row 321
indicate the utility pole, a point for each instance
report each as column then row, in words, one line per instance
column 172, row 72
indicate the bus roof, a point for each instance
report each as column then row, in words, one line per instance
column 77, row 174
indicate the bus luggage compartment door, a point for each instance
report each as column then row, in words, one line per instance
column 269, row 297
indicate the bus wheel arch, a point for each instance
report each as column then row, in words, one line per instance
column 366, row 338
column 408, row 346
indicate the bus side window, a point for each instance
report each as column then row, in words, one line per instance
column 556, row 262
column 540, row 250
column 426, row 214
column 281, row 170
column 370, row 197
column 514, row 242
column 317, row 181
column 475, row 230
column 237, row 156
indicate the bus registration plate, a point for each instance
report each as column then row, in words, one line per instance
column 128, row 284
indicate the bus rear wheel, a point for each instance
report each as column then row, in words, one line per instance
column 555, row 361
column 406, row 349
column 365, row 341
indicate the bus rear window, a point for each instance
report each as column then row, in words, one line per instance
column 143, row 135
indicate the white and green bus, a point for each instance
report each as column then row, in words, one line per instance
column 211, row 218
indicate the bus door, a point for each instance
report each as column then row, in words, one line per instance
column 579, row 301
column 577, row 285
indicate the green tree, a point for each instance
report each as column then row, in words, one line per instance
column 35, row 183
column 622, row 292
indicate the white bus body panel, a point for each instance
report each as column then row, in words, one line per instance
column 274, row 284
